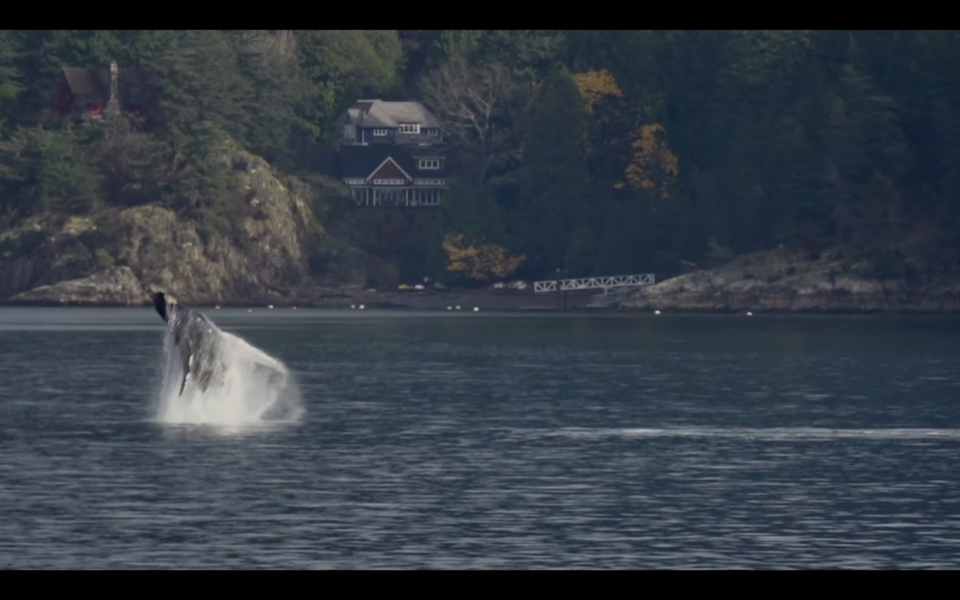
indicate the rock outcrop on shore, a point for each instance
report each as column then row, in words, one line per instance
column 108, row 257
column 787, row 281
column 113, row 286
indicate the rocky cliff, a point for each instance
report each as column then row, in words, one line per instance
column 790, row 281
column 110, row 256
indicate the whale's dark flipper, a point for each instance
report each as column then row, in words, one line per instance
column 160, row 303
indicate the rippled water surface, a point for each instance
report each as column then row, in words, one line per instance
column 475, row 440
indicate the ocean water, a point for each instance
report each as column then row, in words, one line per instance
column 487, row 441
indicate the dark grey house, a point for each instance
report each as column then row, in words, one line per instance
column 379, row 122
column 392, row 154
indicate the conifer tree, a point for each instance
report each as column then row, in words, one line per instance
column 555, row 174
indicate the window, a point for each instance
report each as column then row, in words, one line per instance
column 379, row 132
column 409, row 128
column 430, row 164
column 432, row 132
column 388, row 182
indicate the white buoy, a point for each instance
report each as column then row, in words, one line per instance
column 353, row 306
column 458, row 307
column 270, row 306
column 217, row 307
column 449, row 308
column 475, row 309
column 361, row 307
column 749, row 314
column 656, row 312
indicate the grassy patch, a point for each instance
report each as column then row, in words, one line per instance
column 105, row 258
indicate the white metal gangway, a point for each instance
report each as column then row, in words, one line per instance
column 594, row 283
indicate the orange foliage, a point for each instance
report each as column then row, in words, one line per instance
column 653, row 165
column 593, row 85
column 479, row 262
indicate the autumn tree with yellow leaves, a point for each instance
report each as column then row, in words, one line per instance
column 480, row 262
column 594, row 86
column 653, row 166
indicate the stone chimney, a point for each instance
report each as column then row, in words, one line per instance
column 113, row 104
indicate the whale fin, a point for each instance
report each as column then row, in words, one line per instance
column 186, row 373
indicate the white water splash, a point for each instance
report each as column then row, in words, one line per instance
column 790, row 434
column 256, row 389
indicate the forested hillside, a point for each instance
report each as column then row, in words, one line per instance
column 595, row 152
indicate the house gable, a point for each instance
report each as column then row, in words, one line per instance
column 361, row 164
column 389, row 171
column 88, row 90
column 387, row 175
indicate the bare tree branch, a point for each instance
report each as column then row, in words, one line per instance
column 473, row 105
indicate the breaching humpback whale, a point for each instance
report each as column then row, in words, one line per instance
column 203, row 348
column 198, row 341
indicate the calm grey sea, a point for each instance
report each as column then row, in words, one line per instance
column 490, row 441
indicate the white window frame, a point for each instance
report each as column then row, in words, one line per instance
column 388, row 182
column 432, row 132
column 409, row 128
column 431, row 164
column 379, row 132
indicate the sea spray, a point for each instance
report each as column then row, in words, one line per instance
column 256, row 389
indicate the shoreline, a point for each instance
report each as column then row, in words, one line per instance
column 484, row 303
column 775, row 282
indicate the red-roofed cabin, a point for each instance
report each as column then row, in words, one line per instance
column 90, row 91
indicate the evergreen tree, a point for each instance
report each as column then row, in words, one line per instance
column 201, row 82
column 474, row 212
column 11, row 83
column 48, row 170
column 530, row 53
column 555, row 174
column 341, row 66
column 267, row 62
column 450, row 44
